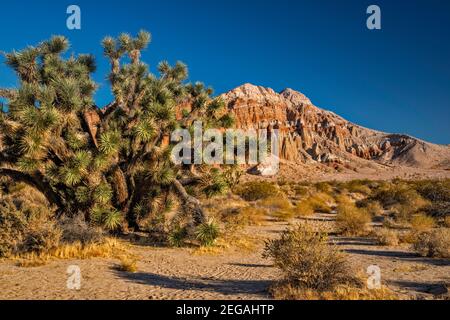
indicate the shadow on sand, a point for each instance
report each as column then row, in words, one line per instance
column 226, row 287
column 401, row 255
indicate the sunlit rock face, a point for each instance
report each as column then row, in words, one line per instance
column 310, row 134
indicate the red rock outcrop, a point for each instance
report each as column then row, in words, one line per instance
column 310, row 134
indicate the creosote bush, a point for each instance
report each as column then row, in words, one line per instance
column 304, row 209
column 307, row 260
column 252, row 191
column 434, row 244
column 422, row 222
column 352, row 220
column 247, row 216
column 25, row 227
column 387, row 237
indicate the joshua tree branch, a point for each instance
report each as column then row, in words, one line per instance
column 190, row 204
column 36, row 181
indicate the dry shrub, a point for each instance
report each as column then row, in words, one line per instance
column 387, row 237
column 434, row 244
column 402, row 198
column 13, row 225
column 304, row 209
column 307, row 261
column 26, row 227
column 247, row 216
column 276, row 203
column 41, row 238
column 320, row 202
column 447, row 222
column 352, row 220
column 283, row 215
column 422, row 222
column 301, row 190
column 324, row 187
column 76, row 229
column 435, row 191
column 252, row 191
column 357, row 186
column 343, row 199
column 127, row 264
column 438, row 209
column 374, row 208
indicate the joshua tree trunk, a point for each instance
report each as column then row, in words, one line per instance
column 191, row 205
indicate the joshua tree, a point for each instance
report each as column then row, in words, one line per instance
column 111, row 163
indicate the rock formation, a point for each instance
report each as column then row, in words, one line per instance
column 309, row 134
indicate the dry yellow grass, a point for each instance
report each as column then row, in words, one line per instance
column 285, row 291
column 248, row 216
column 422, row 222
column 304, row 209
column 411, row 268
column 127, row 264
column 228, row 242
column 110, row 248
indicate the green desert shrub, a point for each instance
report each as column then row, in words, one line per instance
column 307, row 261
column 352, row 220
column 252, row 191
column 434, row 244
column 207, row 233
column 177, row 236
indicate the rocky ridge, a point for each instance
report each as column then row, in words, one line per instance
column 309, row 134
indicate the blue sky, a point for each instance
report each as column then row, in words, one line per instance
column 396, row 79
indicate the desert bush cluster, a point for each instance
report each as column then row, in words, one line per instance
column 29, row 228
column 307, row 260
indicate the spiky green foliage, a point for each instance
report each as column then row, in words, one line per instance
column 110, row 163
column 207, row 233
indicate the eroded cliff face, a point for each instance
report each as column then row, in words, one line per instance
column 310, row 134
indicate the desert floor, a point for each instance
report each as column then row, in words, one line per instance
column 231, row 273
